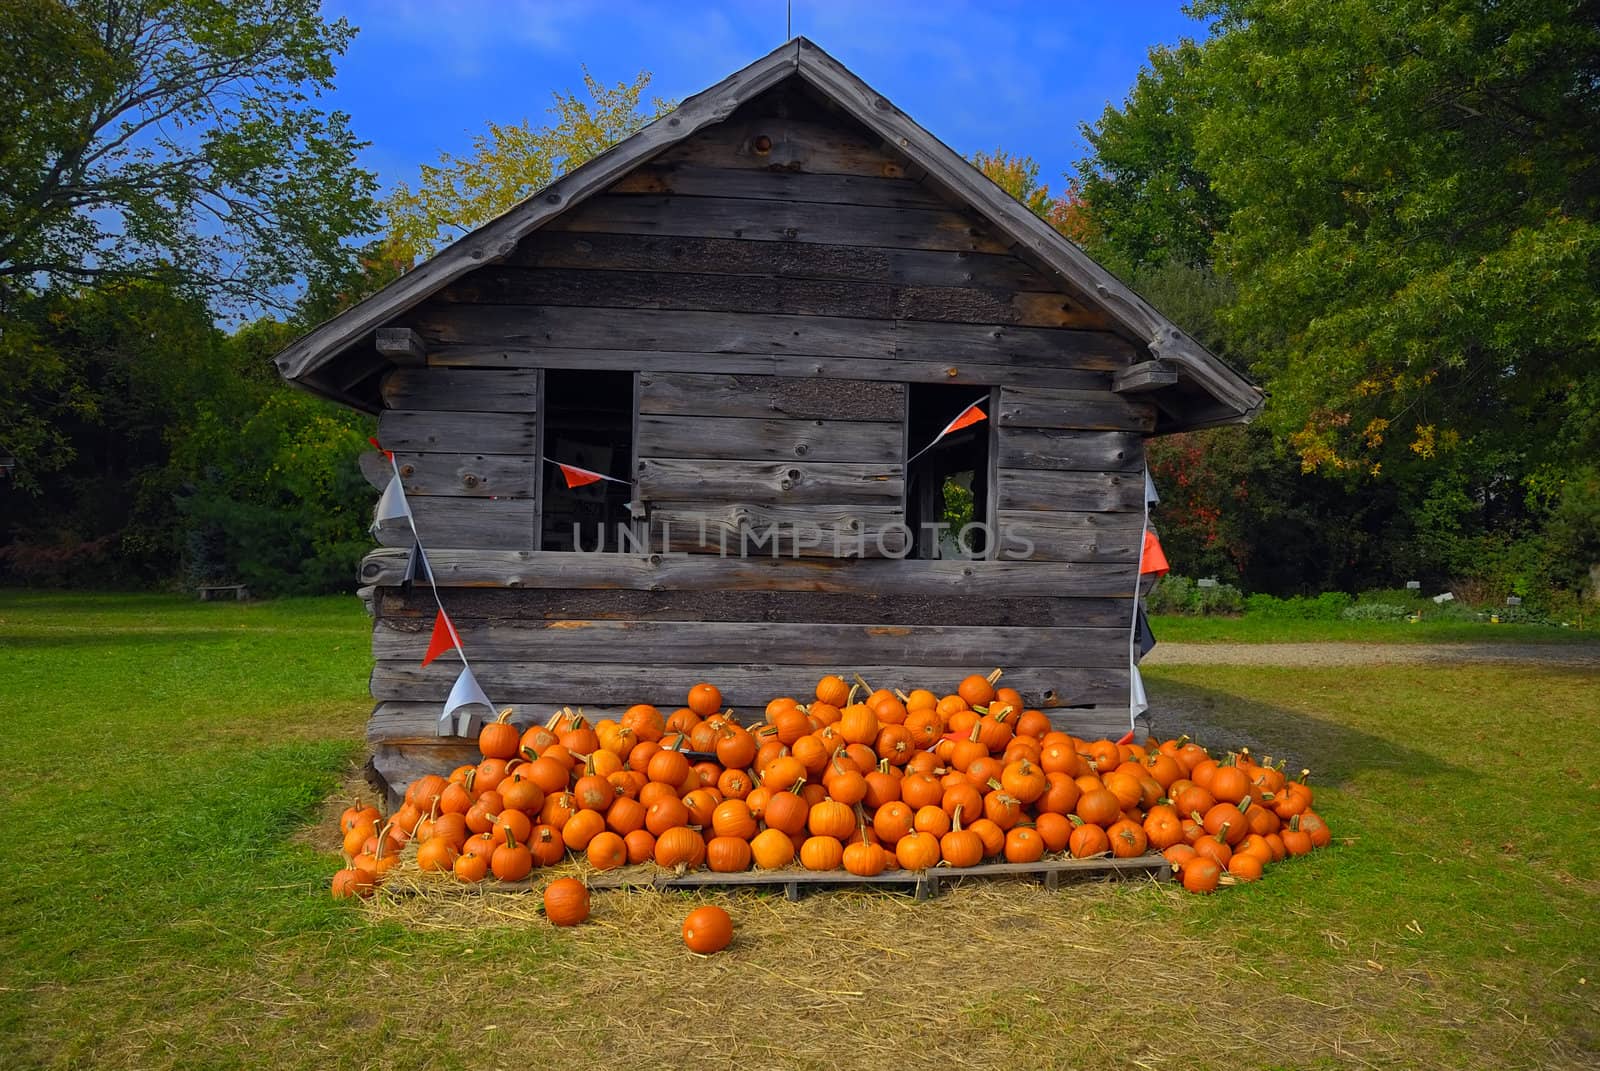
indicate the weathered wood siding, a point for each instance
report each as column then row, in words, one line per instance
column 775, row 282
column 541, row 648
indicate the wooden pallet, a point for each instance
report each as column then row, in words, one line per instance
column 922, row 884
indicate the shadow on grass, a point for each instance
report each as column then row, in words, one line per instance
column 1220, row 719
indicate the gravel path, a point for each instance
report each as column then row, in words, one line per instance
column 1371, row 654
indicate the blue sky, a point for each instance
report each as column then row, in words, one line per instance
column 422, row 77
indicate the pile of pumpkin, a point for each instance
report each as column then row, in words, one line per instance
column 895, row 780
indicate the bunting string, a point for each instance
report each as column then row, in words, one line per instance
column 466, row 691
column 1151, row 560
column 969, row 416
column 577, row 476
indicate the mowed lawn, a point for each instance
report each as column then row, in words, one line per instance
column 162, row 755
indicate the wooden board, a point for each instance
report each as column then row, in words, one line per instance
column 521, row 327
column 803, row 643
column 778, row 531
column 780, row 221
column 416, row 431
column 791, row 145
column 767, row 483
column 1071, row 537
column 461, row 566
column 719, row 395
column 1088, row 451
column 490, row 524
column 792, row 260
column 743, row 684
column 475, row 391
column 1043, row 407
column 1077, row 492
column 765, row 184
column 799, row 368
column 764, row 294
column 753, row 439
column 471, row 475
column 552, row 604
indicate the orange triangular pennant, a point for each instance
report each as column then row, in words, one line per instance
column 969, row 416
column 444, row 638
column 1153, row 560
column 577, row 477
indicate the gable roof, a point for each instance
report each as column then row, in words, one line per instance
column 1236, row 398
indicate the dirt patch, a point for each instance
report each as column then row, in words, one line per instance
column 1371, row 654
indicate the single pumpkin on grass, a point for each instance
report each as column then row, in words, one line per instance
column 566, row 902
column 707, row 929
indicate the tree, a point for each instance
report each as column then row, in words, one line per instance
column 174, row 140
column 1150, row 200
column 1415, row 221
column 510, row 162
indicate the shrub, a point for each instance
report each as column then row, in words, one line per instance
column 1180, row 595
column 1376, row 611
column 1325, row 607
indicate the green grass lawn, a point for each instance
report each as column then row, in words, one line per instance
column 163, row 753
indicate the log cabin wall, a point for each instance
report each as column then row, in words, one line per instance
column 774, row 282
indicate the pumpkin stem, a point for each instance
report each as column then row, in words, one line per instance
column 1244, row 804
column 955, row 819
column 1303, row 775
column 863, row 682
column 1222, row 834
column 994, row 677
column 504, row 715
column 902, row 696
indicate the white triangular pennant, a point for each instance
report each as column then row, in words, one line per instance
column 1150, row 496
column 417, row 567
column 393, row 505
column 1138, row 702
column 465, row 693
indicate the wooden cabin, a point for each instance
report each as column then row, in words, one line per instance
column 751, row 314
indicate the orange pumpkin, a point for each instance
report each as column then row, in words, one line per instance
column 566, row 902
column 707, row 930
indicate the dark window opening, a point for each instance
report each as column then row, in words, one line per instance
column 947, row 486
column 587, row 422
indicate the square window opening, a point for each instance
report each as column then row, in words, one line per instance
column 586, row 421
column 947, row 484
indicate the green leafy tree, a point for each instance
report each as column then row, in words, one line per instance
column 174, row 140
column 1415, row 190
column 1151, row 202
column 509, row 162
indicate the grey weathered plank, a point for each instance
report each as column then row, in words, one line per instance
column 690, row 180
column 417, row 431
column 1051, row 448
column 798, row 368
column 1044, row 407
column 783, row 607
column 791, row 145
column 1077, row 492
column 503, row 327
column 457, row 566
column 472, row 475
column 400, row 346
column 1145, row 376
column 778, row 531
column 754, row 439
column 765, row 483
column 462, row 390
column 765, row 294
column 1070, row 537
column 742, row 684
column 781, row 221
column 793, row 260
column 801, row 643
column 465, row 523
column 721, row 395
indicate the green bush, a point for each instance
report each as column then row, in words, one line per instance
column 1180, row 595
column 1376, row 611
column 1325, row 607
